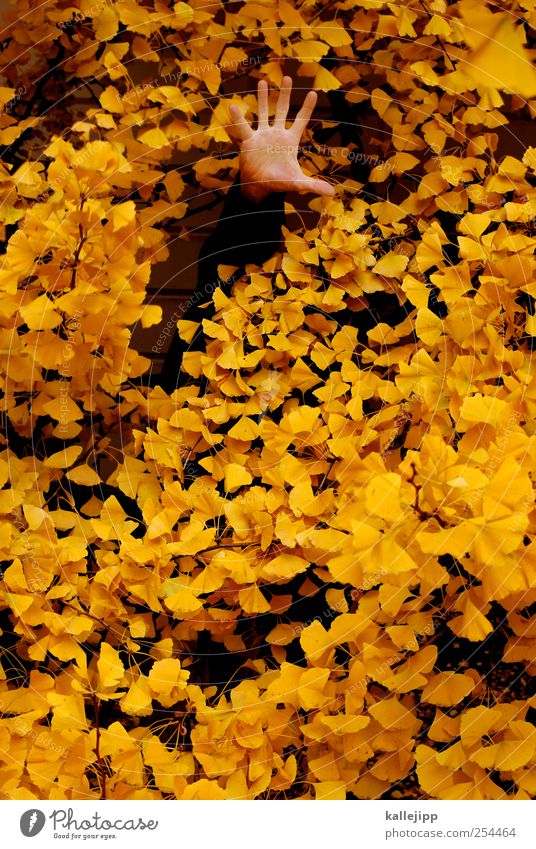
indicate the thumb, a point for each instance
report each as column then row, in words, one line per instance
column 238, row 127
column 319, row 187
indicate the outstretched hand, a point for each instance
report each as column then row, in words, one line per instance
column 269, row 155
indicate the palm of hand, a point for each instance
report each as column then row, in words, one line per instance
column 270, row 157
column 269, row 154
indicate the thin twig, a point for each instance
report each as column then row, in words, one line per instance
column 101, row 767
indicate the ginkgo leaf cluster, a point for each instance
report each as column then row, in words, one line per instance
column 321, row 591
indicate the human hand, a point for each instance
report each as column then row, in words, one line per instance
column 269, row 155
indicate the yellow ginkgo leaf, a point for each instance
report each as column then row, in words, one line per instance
column 152, row 314
column 138, row 700
column 35, row 516
column 84, row 475
column 106, row 23
column 391, row 714
column 507, row 755
column 18, row 602
column 382, row 496
column 183, row 601
column 282, row 635
column 166, row 675
column 312, row 688
column 284, row 566
column 447, row 688
column 310, row 51
column 187, row 329
column 333, row 33
column 472, row 624
column 498, row 58
column 68, row 712
column 252, row 600
column 110, row 667
column 485, row 409
column 111, row 100
column 410, row 675
column 402, row 162
column 236, row 476
column 345, row 723
column 429, row 326
column 63, row 409
column 530, row 325
column 6, row 94
column 122, row 214
column 325, row 80
column 154, row 138
column 315, row 640
column 330, row 790
column 65, row 458
column 40, row 314
column 391, row 265
column 245, row 429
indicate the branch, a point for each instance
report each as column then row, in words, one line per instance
column 101, row 771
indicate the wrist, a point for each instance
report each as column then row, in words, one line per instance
column 255, row 192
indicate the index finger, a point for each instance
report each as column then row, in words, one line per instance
column 302, row 118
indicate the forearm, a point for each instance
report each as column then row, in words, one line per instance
column 248, row 231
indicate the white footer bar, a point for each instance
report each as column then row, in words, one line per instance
column 256, row 825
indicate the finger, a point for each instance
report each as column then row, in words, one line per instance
column 283, row 101
column 302, row 118
column 322, row 187
column 239, row 126
column 262, row 99
column 311, row 184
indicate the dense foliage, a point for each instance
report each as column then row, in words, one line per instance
column 311, row 574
